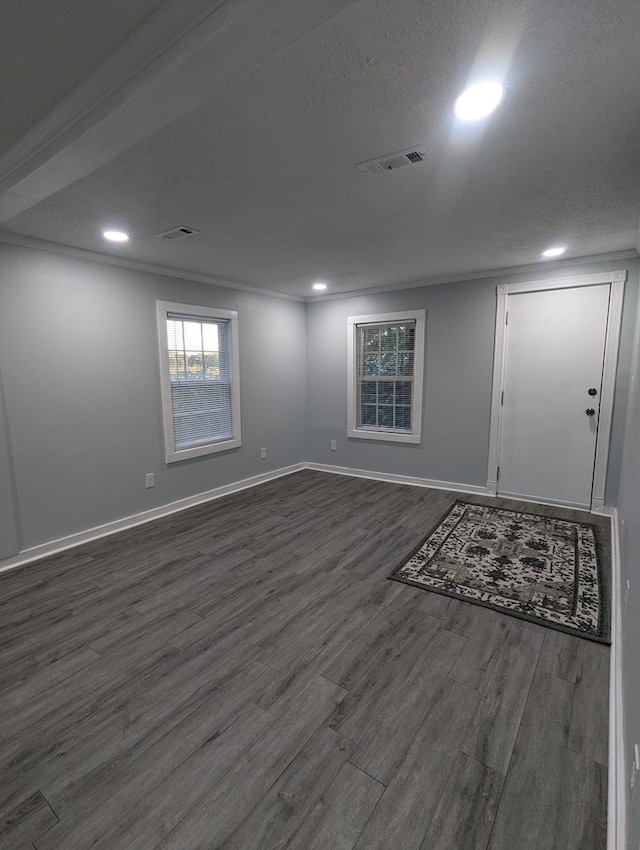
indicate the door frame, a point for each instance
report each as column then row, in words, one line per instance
column 616, row 280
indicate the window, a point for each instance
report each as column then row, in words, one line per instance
column 199, row 373
column 386, row 355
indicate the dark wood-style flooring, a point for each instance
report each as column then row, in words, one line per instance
column 243, row 675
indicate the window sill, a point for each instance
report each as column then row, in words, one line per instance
column 200, row 451
column 386, row 436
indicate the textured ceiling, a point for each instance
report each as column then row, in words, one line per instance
column 265, row 168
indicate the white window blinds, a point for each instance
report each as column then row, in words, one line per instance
column 200, row 376
column 200, row 384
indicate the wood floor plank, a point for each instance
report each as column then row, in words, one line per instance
column 66, row 744
column 335, row 595
column 494, row 728
column 407, row 806
column 377, row 642
column 220, row 810
column 536, row 769
column 26, row 822
column 156, row 627
column 560, row 655
column 462, row 617
column 266, row 615
column 15, row 696
column 81, row 692
column 63, row 756
column 466, row 811
column 487, row 636
column 436, row 604
column 338, row 818
column 397, row 594
column 289, row 802
column 590, row 712
column 165, row 804
column 302, row 669
column 115, row 788
column 375, row 560
column 229, row 617
column 582, row 824
column 386, row 707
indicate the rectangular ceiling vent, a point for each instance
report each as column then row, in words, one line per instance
column 393, row 161
column 180, row 232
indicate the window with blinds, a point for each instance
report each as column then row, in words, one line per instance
column 200, row 379
column 386, row 376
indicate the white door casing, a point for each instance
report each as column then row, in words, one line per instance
column 9, row 538
column 561, row 339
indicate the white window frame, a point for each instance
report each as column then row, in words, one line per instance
column 164, row 308
column 415, row 436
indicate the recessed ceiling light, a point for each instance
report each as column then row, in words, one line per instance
column 115, row 236
column 555, row 251
column 319, row 285
column 478, row 101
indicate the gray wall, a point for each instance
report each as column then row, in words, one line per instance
column 80, row 414
column 458, row 378
column 629, row 525
column 78, row 354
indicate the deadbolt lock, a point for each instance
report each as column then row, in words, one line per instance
column 592, row 391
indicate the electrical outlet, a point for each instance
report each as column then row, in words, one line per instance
column 334, row 445
column 150, row 480
column 263, row 453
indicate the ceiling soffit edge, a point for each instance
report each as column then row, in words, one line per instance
column 165, row 37
column 164, row 69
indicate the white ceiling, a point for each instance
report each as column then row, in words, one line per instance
column 248, row 126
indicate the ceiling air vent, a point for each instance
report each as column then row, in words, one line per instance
column 393, row 161
column 180, row 232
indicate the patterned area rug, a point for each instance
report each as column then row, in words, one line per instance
column 537, row 568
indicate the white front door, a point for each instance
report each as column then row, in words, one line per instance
column 552, row 382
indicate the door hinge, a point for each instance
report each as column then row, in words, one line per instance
column 498, row 474
column 506, row 318
column 502, row 397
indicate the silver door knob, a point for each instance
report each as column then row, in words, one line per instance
column 590, row 411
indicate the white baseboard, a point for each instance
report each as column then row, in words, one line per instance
column 34, row 553
column 616, row 813
column 52, row 547
column 536, row 500
column 399, row 479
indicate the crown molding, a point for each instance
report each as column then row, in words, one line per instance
column 531, row 268
column 7, row 238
